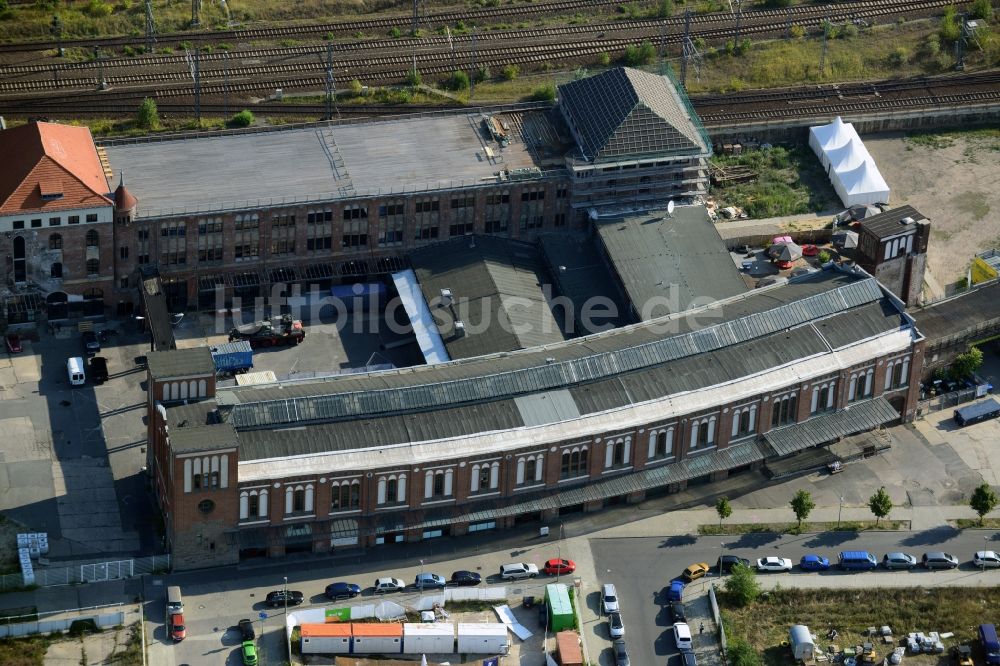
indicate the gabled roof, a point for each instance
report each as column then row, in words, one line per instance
column 625, row 112
column 57, row 161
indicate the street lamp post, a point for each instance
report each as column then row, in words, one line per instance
column 286, row 596
column 840, row 510
column 986, row 540
column 722, row 551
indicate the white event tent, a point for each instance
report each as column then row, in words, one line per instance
column 851, row 169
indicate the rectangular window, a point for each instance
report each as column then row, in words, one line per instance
column 282, row 234
column 391, row 209
column 319, row 233
column 533, row 195
column 355, row 212
column 246, row 239
column 123, row 283
column 55, row 221
column 123, row 252
column 559, row 220
column 74, row 219
column 173, row 244
column 428, row 218
column 561, row 193
column 36, row 224
column 497, row 212
column 355, row 233
column 19, row 224
column 91, row 217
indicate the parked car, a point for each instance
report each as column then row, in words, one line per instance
column 695, row 571
column 987, row 559
column 677, row 612
column 518, row 570
column 774, row 564
column 429, row 581
column 676, row 590
column 621, row 654
column 246, row 630
column 616, row 626
column 463, row 578
column 609, row 599
column 91, row 345
column 899, row 561
column 98, row 369
column 342, row 590
column 278, row 598
column 388, row 585
column 249, row 652
column 939, row 560
column 961, row 655
column 13, row 342
column 688, row 658
column 553, row 567
column 177, row 630
column 727, row 562
column 814, row 563
column 682, row 635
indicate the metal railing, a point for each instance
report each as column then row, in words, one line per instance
column 946, row 400
column 47, row 576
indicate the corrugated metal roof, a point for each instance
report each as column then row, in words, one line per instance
column 203, row 438
column 547, row 407
column 857, row 417
column 554, row 375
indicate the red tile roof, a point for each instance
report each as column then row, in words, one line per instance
column 54, row 159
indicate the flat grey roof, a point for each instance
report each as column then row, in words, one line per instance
column 581, row 275
column 310, row 164
column 203, row 438
column 669, row 264
column 497, row 287
column 180, row 363
column 959, row 313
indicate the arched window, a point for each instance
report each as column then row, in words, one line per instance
column 310, row 495
column 530, row 468
column 93, row 240
column 56, row 269
column 263, row 503
column 438, row 485
column 574, row 463
column 196, row 479
column 93, row 266
column 520, row 471
column 244, row 505
column 253, row 505
column 355, row 496
column 299, row 499
column 391, row 489
column 382, row 491
column 55, row 242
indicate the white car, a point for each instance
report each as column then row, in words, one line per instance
column 774, row 564
column 682, row 636
column 616, row 626
column 518, row 570
column 389, row 585
column 986, row 558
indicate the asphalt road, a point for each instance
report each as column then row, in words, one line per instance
column 642, row 568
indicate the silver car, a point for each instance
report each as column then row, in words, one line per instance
column 987, row 559
column 939, row 560
column 899, row 561
column 616, row 627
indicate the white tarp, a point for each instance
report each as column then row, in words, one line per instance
column 824, row 138
column 506, row 616
column 424, row 328
column 862, row 185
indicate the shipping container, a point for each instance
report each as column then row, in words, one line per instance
column 377, row 638
column 983, row 411
column 428, row 638
column 568, row 648
column 233, row 357
column 330, row 638
column 559, row 607
column 483, row 638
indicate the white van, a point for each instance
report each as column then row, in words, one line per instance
column 74, row 369
column 175, row 604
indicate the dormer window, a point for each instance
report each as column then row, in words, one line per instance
column 50, row 189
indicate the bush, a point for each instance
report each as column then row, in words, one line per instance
column 544, row 93
column 779, row 3
column 899, row 57
column 458, row 80
column 355, row 87
column 741, row 653
column 798, row 32
column 482, row 74
column 604, row 59
column 639, row 55
column 413, row 77
column 242, row 119
column 742, row 586
column 981, row 9
column 950, row 29
column 665, row 9
column 510, row 72
column 849, row 30
column 97, row 9
column 824, row 256
column 395, row 33
column 966, row 364
column 148, row 118
column 933, row 45
column 129, row 51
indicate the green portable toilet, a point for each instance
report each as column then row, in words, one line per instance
column 558, row 606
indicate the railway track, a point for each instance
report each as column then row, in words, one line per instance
column 435, row 55
column 714, row 110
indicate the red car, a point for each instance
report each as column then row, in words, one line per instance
column 809, row 250
column 553, row 567
column 13, row 341
column 177, row 630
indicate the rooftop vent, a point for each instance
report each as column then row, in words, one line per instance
column 906, row 220
column 459, row 329
column 446, row 298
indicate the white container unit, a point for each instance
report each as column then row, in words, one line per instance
column 483, row 638
column 331, row 638
column 428, row 638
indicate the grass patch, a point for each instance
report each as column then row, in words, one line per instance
column 793, row 528
column 764, row 623
column 129, row 653
column 973, row 523
column 24, row 651
column 790, row 181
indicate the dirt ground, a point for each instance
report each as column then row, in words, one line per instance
column 953, row 179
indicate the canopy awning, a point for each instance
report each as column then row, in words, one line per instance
column 855, row 418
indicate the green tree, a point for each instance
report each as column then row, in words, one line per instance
column 742, row 586
column 723, row 508
column 665, row 8
column 802, row 504
column 458, row 80
column 242, row 119
column 510, row 72
column 544, row 93
column 965, row 364
column 148, row 118
column 482, row 74
column 643, row 54
column 984, row 499
column 981, row 9
column 741, row 653
column 880, row 503
column 950, row 29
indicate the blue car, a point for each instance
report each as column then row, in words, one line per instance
column 676, row 591
column 814, row 563
column 342, row 591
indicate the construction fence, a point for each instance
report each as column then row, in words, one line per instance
column 46, row 576
column 48, row 622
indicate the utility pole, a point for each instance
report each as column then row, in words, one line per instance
column 451, row 46
column 826, row 35
column 475, row 72
column 685, row 52
column 102, row 83
column 416, row 19
column 331, row 88
column 56, row 28
column 788, row 22
column 150, row 27
column 195, row 13
column 739, row 17
column 962, row 42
